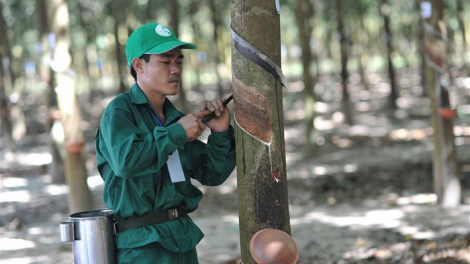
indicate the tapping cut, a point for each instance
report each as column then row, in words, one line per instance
column 252, row 111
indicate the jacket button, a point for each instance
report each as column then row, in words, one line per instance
column 177, row 249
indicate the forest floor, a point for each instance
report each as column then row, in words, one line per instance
column 365, row 198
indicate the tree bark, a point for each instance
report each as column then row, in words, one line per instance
column 385, row 10
column 193, row 9
column 56, row 169
column 119, row 16
column 7, row 126
column 305, row 13
column 216, row 23
column 346, row 102
column 460, row 17
column 70, row 113
column 174, row 25
column 259, row 125
column 445, row 162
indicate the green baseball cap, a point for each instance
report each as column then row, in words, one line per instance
column 152, row 38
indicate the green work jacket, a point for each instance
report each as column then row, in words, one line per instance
column 132, row 151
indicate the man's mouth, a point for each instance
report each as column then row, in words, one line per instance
column 175, row 81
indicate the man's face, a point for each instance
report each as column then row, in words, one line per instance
column 162, row 74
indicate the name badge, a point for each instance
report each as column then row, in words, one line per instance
column 175, row 168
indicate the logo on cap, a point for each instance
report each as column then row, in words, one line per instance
column 162, row 31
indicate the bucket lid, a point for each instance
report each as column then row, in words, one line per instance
column 269, row 246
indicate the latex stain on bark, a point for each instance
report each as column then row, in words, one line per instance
column 252, row 111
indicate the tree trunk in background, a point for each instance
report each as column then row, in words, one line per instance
column 445, row 162
column 174, row 25
column 216, row 22
column 56, row 169
column 123, row 69
column 420, row 48
column 7, row 126
column 70, row 113
column 362, row 56
column 460, row 17
column 304, row 15
column 89, row 40
column 346, row 102
column 193, row 9
column 385, row 10
column 262, row 200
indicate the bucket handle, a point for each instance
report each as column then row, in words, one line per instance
column 67, row 231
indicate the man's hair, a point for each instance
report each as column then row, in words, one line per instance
column 146, row 58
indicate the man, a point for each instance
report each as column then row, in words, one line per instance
column 147, row 151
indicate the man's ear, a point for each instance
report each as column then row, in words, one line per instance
column 137, row 65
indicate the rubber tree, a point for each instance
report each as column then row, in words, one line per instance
column 445, row 162
column 259, row 129
column 344, row 51
column 174, row 10
column 119, row 15
column 56, row 169
column 217, row 23
column 305, row 24
column 5, row 52
column 385, row 10
column 70, row 112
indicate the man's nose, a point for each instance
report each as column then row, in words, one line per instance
column 176, row 68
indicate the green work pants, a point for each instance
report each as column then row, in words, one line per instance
column 154, row 253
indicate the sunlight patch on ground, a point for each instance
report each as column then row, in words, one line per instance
column 15, row 196
column 422, row 198
column 226, row 189
column 30, row 260
column 371, row 219
column 230, row 219
column 95, row 181
column 11, row 182
column 55, row 189
column 15, row 244
column 413, row 134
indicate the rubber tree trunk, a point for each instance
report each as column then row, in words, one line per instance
column 56, row 169
column 193, row 9
column 259, row 124
column 119, row 17
column 304, row 15
column 460, row 17
column 346, row 102
column 385, row 10
column 174, row 10
column 89, row 40
column 7, row 126
column 70, row 113
column 216, row 22
column 445, row 162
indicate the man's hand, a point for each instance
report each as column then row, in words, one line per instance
column 192, row 125
column 221, row 121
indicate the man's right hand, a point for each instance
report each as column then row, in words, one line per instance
column 192, row 125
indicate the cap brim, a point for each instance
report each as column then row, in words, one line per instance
column 169, row 45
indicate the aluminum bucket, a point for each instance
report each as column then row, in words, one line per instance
column 91, row 235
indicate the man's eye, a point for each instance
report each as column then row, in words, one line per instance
column 166, row 62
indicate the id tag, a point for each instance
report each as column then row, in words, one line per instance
column 175, row 168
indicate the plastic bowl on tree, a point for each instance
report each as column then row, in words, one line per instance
column 273, row 246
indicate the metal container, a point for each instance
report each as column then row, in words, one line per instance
column 92, row 237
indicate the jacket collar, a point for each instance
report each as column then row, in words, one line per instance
column 138, row 97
